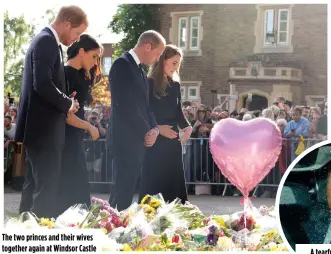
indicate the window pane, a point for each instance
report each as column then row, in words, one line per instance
column 193, row 92
column 282, row 36
column 195, row 32
column 195, row 22
column 182, row 32
column 182, row 37
column 269, row 21
column 268, row 25
column 283, row 15
column 194, row 42
column 182, row 23
column 283, row 26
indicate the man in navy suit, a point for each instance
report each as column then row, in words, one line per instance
column 43, row 109
column 132, row 125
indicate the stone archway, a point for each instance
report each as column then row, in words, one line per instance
column 260, row 99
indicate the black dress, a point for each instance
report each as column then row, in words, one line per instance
column 163, row 170
column 74, row 183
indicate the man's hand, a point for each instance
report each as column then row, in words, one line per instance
column 186, row 134
column 150, row 137
column 167, row 131
column 94, row 132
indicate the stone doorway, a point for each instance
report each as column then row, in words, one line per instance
column 258, row 102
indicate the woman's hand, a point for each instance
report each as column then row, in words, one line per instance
column 186, row 134
column 167, row 131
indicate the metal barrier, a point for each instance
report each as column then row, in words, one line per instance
column 198, row 164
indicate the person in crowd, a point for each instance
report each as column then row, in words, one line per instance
column 322, row 124
column 305, row 112
column 95, row 150
column 201, row 129
column 247, row 117
column 285, row 155
column 234, row 114
column 297, row 127
column 13, row 114
column 268, row 113
column 315, row 113
column 9, row 131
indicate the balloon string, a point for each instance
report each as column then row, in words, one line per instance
column 248, row 207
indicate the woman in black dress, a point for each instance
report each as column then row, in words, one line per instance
column 82, row 66
column 163, row 167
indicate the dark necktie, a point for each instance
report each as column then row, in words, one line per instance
column 145, row 81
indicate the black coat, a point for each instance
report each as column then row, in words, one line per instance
column 43, row 103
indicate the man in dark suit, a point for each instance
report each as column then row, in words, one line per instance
column 43, row 108
column 132, row 123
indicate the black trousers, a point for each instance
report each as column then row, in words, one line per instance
column 127, row 179
column 41, row 186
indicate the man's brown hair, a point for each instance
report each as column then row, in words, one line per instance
column 73, row 14
column 298, row 109
column 151, row 37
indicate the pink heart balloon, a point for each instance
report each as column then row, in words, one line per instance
column 245, row 152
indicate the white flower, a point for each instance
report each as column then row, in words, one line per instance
column 225, row 243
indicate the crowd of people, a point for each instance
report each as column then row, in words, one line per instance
column 293, row 121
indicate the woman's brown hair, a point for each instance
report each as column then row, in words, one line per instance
column 156, row 71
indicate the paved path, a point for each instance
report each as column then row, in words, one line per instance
column 207, row 204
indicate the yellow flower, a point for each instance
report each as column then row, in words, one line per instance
column 154, row 203
column 220, row 221
column 271, row 234
column 44, row 222
column 51, row 225
column 104, row 230
column 148, row 209
column 126, row 247
column 143, row 201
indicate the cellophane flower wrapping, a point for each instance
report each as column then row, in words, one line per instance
column 72, row 217
column 25, row 220
column 154, row 225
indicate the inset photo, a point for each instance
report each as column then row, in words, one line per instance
column 304, row 198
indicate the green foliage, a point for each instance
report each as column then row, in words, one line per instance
column 17, row 33
column 17, row 36
column 132, row 20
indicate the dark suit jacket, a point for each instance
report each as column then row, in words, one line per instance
column 131, row 116
column 43, row 103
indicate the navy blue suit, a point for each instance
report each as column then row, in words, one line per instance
column 41, row 123
column 131, row 119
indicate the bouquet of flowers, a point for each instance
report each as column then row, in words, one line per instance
column 154, row 225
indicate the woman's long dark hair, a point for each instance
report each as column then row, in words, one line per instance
column 156, row 71
column 87, row 43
